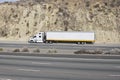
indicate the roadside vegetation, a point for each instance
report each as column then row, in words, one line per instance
column 37, row 50
column 115, row 51
column 52, row 51
column 16, row 50
column 25, row 49
column 1, row 49
column 84, row 51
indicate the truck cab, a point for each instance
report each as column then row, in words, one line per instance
column 37, row 38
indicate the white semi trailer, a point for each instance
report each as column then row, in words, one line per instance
column 50, row 37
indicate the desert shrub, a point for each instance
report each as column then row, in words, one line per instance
column 75, row 4
column 84, row 51
column 52, row 51
column 36, row 50
column 87, row 4
column 49, row 8
column 16, row 50
column 55, row 0
column 1, row 49
column 66, row 3
column 15, row 31
column 39, row 1
column 80, row 51
column 61, row 10
column 4, row 31
column 115, row 51
column 25, row 49
column 27, row 25
column 35, row 24
column 96, row 6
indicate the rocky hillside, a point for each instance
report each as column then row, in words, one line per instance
column 24, row 18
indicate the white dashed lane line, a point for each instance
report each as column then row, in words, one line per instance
column 5, row 79
column 114, row 75
column 42, row 63
column 29, row 70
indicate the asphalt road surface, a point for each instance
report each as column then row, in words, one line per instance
column 58, row 68
column 62, row 46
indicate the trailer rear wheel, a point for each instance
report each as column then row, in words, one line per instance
column 78, row 43
column 50, row 42
column 81, row 43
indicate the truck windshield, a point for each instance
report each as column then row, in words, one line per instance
column 34, row 36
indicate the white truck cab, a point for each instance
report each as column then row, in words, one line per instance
column 37, row 38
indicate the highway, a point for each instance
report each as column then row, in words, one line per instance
column 62, row 46
column 58, row 68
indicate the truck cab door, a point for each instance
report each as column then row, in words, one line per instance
column 40, row 37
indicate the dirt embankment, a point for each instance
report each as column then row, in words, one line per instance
column 20, row 20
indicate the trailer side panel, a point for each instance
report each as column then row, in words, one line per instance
column 71, row 36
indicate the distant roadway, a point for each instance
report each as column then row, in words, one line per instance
column 63, row 46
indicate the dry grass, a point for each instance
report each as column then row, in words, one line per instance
column 84, row 51
column 52, row 51
column 1, row 49
column 36, row 50
column 25, row 49
column 115, row 51
column 16, row 50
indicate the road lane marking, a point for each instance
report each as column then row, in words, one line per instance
column 114, row 75
column 117, row 66
column 29, row 70
column 25, row 57
column 41, row 63
column 4, row 79
column 8, row 79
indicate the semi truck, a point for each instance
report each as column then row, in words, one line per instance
column 50, row 37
